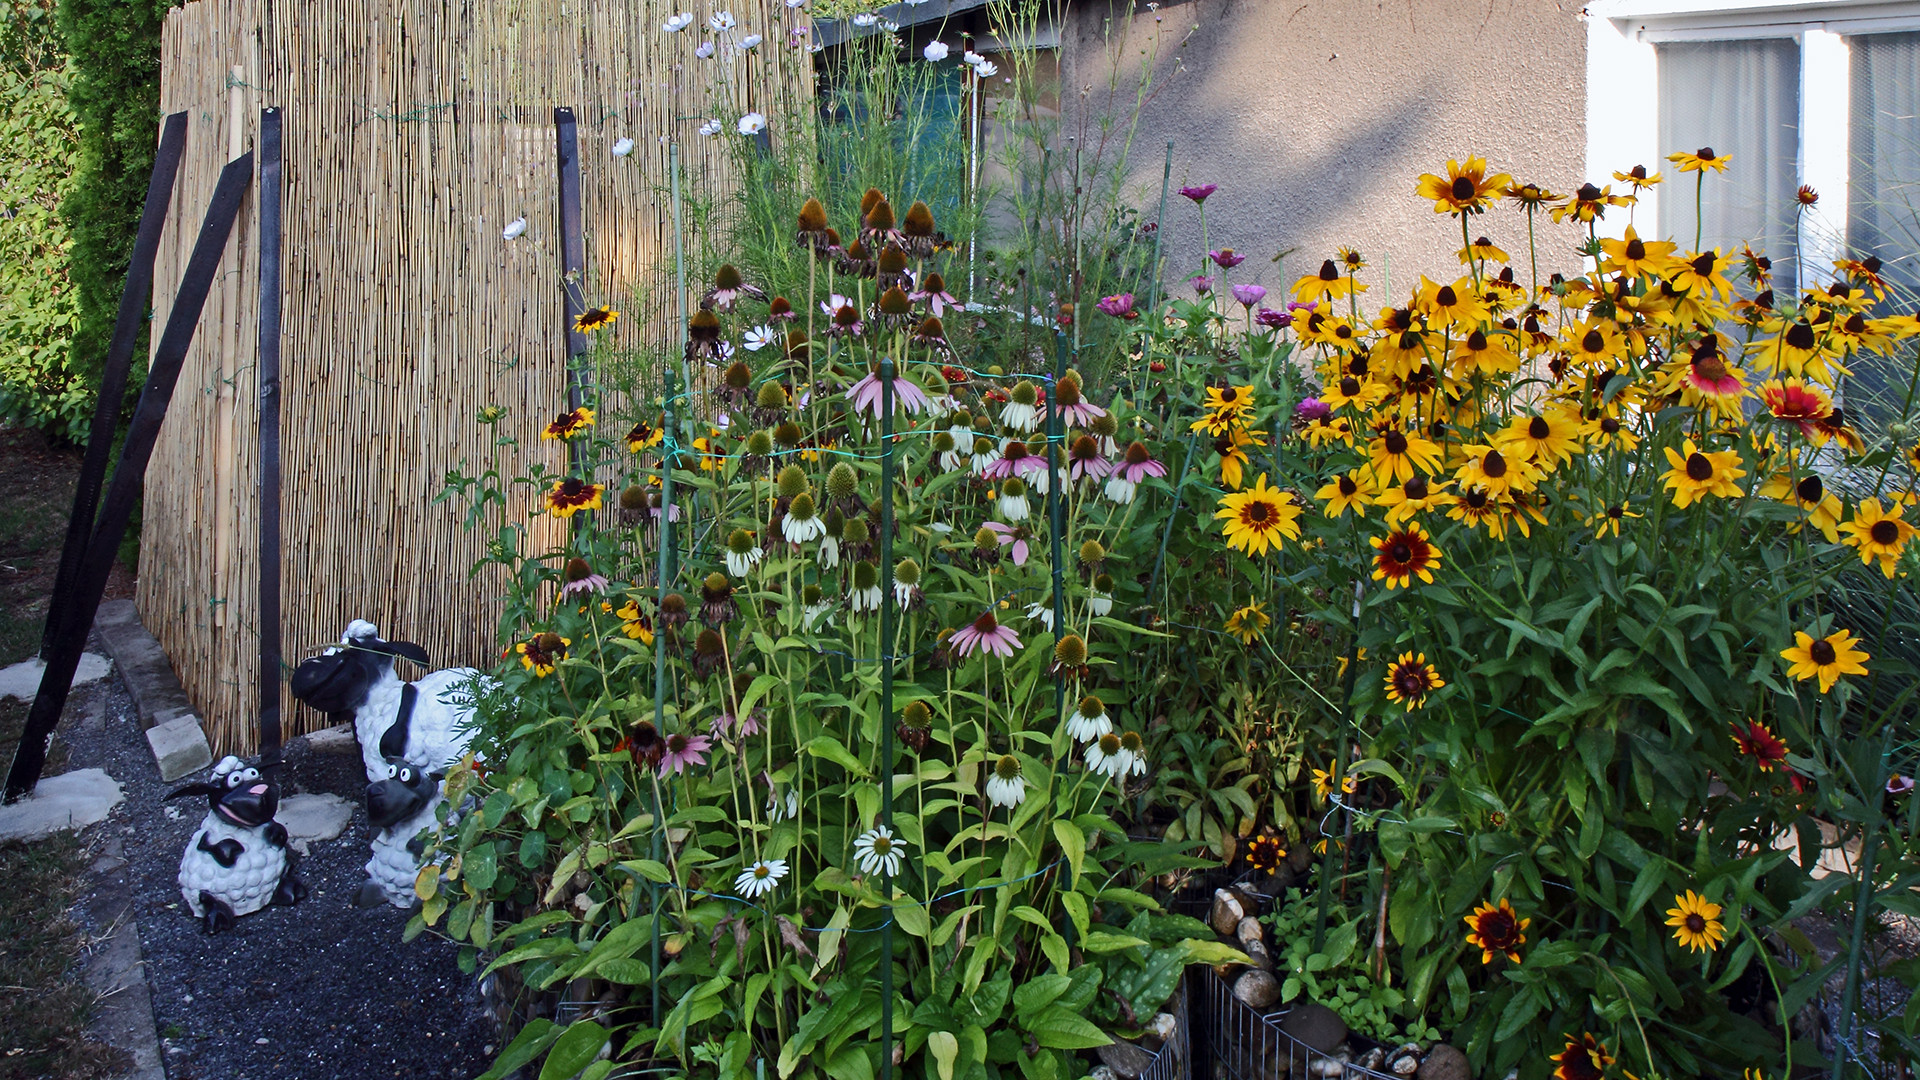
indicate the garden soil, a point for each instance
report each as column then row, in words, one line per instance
column 319, row 990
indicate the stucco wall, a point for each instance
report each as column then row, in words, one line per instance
column 1316, row 117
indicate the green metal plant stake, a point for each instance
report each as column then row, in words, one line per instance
column 886, row 707
column 665, row 533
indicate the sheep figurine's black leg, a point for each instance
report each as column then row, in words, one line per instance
column 219, row 917
column 291, row 889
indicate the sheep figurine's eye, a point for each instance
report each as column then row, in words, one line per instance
column 406, row 776
column 393, row 771
column 248, row 775
column 234, row 779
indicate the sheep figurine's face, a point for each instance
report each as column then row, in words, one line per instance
column 401, row 795
column 337, row 681
column 244, row 798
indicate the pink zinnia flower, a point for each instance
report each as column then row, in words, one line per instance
column 1225, row 259
column 1266, row 316
column 1202, row 284
column 1120, row 306
column 985, row 633
column 1199, row 192
column 1014, row 460
column 1007, row 534
column 684, row 750
column 1311, row 409
column 866, row 396
column 1249, row 295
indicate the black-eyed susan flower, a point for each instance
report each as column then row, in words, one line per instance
column 1755, row 740
column 634, row 623
column 1258, row 518
column 1707, row 378
column 1695, row 474
column 1484, row 353
column 1635, row 257
column 1401, row 556
column 1497, row 930
column 1410, row 679
column 1477, row 509
column 1607, row 521
column 1264, row 852
column 1233, row 455
column 569, row 424
column 1703, row 271
column 1545, row 439
column 1466, row 189
column 1484, row 250
column 1226, row 407
column 643, row 436
column 1825, row 658
column 569, row 496
column 1531, row 196
column 1638, row 178
column 595, row 319
column 1416, row 496
column 1486, row 467
column 1809, row 493
column 1396, row 453
column 1248, row 623
column 1696, row 922
column 1349, row 491
column 542, row 653
column 1701, row 160
column 1323, row 783
column 1352, row 392
column 1877, row 533
column 1583, row 1058
column 1589, row 204
column 1450, row 304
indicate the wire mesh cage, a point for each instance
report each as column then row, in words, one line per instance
column 1234, row 1041
column 1174, row 1060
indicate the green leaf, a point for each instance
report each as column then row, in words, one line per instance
column 1104, row 941
column 575, row 1048
column 1039, row 992
column 1059, row 1028
column 1073, row 844
column 944, row 1048
column 828, row 748
column 529, row 1044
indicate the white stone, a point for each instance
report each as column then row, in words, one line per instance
column 21, row 681
column 312, row 818
column 333, row 740
column 179, row 747
column 71, row 800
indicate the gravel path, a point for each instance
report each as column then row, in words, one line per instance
column 317, row 990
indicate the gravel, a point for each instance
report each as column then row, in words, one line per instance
column 319, row 989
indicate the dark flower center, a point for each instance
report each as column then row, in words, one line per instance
column 1411, row 682
column 1884, row 532
column 572, row 486
column 1699, row 469
column 1538, row 428
column 1462, row 189
column 1476, row 341
column 1588, row 192
column 1497, row 928
column 1015, row 450
column 1400, row 551
column 1822, row 652
column 1636, row 250
column 1494, row 464
column 1811, row 489
column 1615, row 512
column 1705, row 154
column 1476, row 499
column 1349, row 387
column 1446, row 297
column 1857, row 324
column 1137, row 454
column 1348, row 489
column 1396, row 443
column 1696, row 924
column 1610, row 426
column 1704, row 265
column 986, row 623
column 1595, row 341
column 676, row 743
column 1415, row 489
column 1329, row 272
column 1800, row 336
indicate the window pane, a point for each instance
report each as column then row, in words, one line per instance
column 1884, row 203
column 1742, row 98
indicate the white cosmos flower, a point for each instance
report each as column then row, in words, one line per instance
column 712, row 127
column 796, row 3
column 750, row 41
column 889, row 26
column 677, row 23
column 972, row 59
column 514, row 228
column 760, row 337
column 760, row 878
column 1042, row 612
column 623, row 148
column 721, row 21
column 1006, row 785
column 986, row 69
column 879, row 851
column 704, row 50
column 752, row 124
column 935, row 51
column 865, row 19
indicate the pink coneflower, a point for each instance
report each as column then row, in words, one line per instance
column 1135, row 466
column 1084, row 459
column 866, row 394
column 1202, row 284
column 933, row 290
column 684, row 750
column 1249, row 295
column 1120, row 306
column 1011, row 535
column 1225, row 259
column 985, row 633
column 1074, row 410
column 746, row 728
column 1014, row 460
column 581, row 580
column 1199, row 192
column 1899, row 785
column 845, row 316
column 1268, row 317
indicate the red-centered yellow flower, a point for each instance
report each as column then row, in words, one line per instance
column 1466, row 189
column 572, row 495
column 1825, row 658
column 595, row 319
column 644, row 435
column 1635, row 257
column 1546, row 439
column 1798, row 402
column 1264, row 853
column 1696, row 922
column 1706, row 377
column 541, row 654
column 569, row 424
column 1258, row 518
column 1497, row 930
column 1696, row 474
column 1878, row 533
column 1701, row 160
column 1348, row 491
column 1395, row 455
column 1757, row 741
column 1478, row 509
column 1410, row 679
column 1399, row 557
column 1584, row 1058
column 1705, row 271
column 1810, row 494
column 1247, row 623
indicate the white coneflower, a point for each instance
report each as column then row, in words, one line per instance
column 1099, row 603
column 866, row 594
column 514, row 228
column 828, row 553
column 814, row 604
column 743, row 554
column 906, row 582
column 985, row 453
column 879, row 851
column 1022, row 410
column 1089, row 720
column 947, row 452
column 783, row 805
column 1012, row 501
column 1104, row 755
column 1134, row 749
column 623, row 148
column 1039, row 481
column 1006, row 785
column 760, row 878
column 1042, row 611
column 801, row 524
column 1120, row 489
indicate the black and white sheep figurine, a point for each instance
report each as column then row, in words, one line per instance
column 237, row 861
column 422, row 727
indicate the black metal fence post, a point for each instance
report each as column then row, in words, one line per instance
column 269, row 361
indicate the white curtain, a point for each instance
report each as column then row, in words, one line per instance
column 1883, row 206
column 1742, row 99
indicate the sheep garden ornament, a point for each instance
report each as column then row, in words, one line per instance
column 410, row 733
column 237, row 861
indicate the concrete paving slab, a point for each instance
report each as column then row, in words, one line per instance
column 179, row 747
column 71, row 800
column 338, row 739
column 21, row 681
column 312, row 818
column 116, row 972
column 157, row 696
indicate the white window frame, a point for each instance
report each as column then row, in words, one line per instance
column 1623, row 89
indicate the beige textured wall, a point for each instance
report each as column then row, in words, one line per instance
column 1316, row 118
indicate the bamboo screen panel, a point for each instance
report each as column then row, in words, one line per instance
column 415, row 130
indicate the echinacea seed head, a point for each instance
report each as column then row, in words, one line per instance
column 894, row 302
column 717, row 584
column 760, row 443
column 1013, row 488
column 1091, row 553
column 633, row 497
column 892, row 260
column 943, row 442
column 842, row 481
column 1007, row 768
column 1103, row 582
column 673, row 604
column 907, row 572
column 810, row 594
column 919, row 221
column 740, row 541
column 1092, row 707
column 1104, row 426
column 986, row 539
column 865, row 575
column 771, row 396
column 813, row 216
column 577, row 569
column 738, row 376
column 1070, row 651
column 1023, row 393
column 1131, row 742
column 792, row 481
column 801, row 507
column 917, row 715
column 787, row 433
column 726, row 277
column 856, row 531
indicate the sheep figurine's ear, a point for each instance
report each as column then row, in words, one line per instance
column 199, row 788
column 406, row 649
